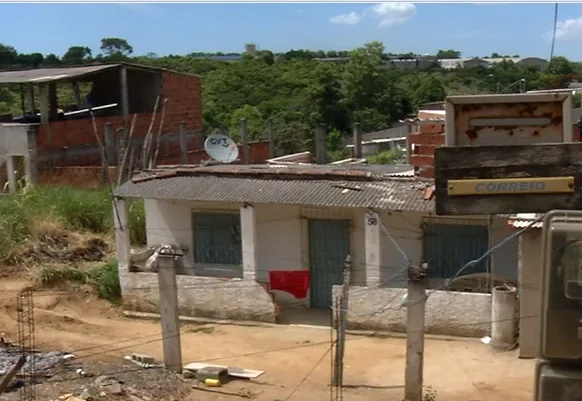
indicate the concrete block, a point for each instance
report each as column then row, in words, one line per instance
column 142, row 358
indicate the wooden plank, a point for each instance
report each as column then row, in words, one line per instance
column 502, row 162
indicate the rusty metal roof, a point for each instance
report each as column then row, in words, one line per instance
column 292, row 185
column 66, row 73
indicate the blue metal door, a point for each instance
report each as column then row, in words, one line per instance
column 329, row 244
column 448, row 247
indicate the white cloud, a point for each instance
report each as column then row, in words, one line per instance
column 347, row 19
column 569, row 30
column 392, row 13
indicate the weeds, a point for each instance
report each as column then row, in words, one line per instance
column 103, row 278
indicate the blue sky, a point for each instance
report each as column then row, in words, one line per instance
column 474, row 29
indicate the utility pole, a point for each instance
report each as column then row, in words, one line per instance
column 168, row 289
column 416, row 299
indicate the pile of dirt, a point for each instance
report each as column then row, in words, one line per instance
column 51, row 243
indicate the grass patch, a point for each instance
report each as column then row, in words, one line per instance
column 137, row 225
column 103, row 278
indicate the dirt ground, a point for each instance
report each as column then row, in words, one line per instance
column 292, row 357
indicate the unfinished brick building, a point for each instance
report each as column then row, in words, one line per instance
column 55, row 142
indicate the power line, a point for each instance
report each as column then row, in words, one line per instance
column 554, row 31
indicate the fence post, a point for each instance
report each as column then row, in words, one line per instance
column 183, row 143
column 271, row 136
column 342, row 324
column 109, row 145
column 245, row 140
column 416, row 300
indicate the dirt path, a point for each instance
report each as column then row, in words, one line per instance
column 460, row 370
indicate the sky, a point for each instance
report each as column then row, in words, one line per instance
column 163, row 28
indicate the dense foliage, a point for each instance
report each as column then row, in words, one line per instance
column 297, row 90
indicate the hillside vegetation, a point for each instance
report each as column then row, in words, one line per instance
column 297, row 91
column 65, row 235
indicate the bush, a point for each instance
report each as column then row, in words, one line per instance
column 14, row 226
column 391, row 156
column 105, row 279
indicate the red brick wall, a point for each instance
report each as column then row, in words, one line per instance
column 428, row 137
column 184, row 94
column 91, row 176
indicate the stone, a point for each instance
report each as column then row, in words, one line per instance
column 114, row 388
column 212, row 372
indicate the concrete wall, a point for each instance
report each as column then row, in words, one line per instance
column 14, row 139
column 283, row 244
column 448, row 313
column 201, row 297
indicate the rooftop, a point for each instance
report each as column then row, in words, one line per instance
column 65, row 73
column 307, row 185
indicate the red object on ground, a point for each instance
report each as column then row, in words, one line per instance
column 294, row 282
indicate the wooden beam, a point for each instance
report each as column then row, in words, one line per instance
column 503, row 162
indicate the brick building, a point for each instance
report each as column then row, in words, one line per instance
column 57, row 135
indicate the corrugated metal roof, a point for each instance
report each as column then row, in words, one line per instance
column 522, row 220
column 388, row 194
column 57, row 74
column 51, row 74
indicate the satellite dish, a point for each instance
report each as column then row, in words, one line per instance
column 221, row 148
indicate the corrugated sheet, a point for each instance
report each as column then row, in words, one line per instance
column 418, row 120
column 50, row 74
column 522, row 220
column 389, row 194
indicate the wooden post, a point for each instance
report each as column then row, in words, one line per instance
column 183, row 143
column 22, row 99
column 271, row 136
column 53, row 101
column 77, row 94
column 31, row 159
column 320, row 156
column 245, row 140
column 43, row 98
column 357, row 141
column 169, row 311
column 416, row 299
column 109, row 145
column 342, row 325
column 7, row 378
column 124, row 98
column 10, row 167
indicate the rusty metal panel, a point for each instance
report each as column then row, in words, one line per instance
column 535, row 122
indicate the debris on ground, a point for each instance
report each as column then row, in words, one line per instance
column 240, row 373
column 143, row 361
column 43, row 361
column 51, row 243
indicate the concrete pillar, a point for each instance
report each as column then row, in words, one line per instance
column 271, row 136
column 10, row 167
column 320, row 154
column 248, row 225
column 503, row 317
column 183, row 144
column 169, row 311
column 530, row 267
column 31, row 160
column 373, row 246
column 122, row 240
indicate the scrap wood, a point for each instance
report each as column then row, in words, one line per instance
column 222, row 392
column 153, row 160
column 11, row 373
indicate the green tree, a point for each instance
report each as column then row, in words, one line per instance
column 76, row 55
column 430, row 90
column 448, row 54
column 115, row 47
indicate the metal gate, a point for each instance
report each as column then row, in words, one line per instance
column 329, row 244
column 447, row 247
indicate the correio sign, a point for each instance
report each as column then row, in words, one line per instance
column 511, row 186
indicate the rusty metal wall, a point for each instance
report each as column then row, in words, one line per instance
column 466, row 134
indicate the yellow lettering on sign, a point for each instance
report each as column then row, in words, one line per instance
column 542, row 185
